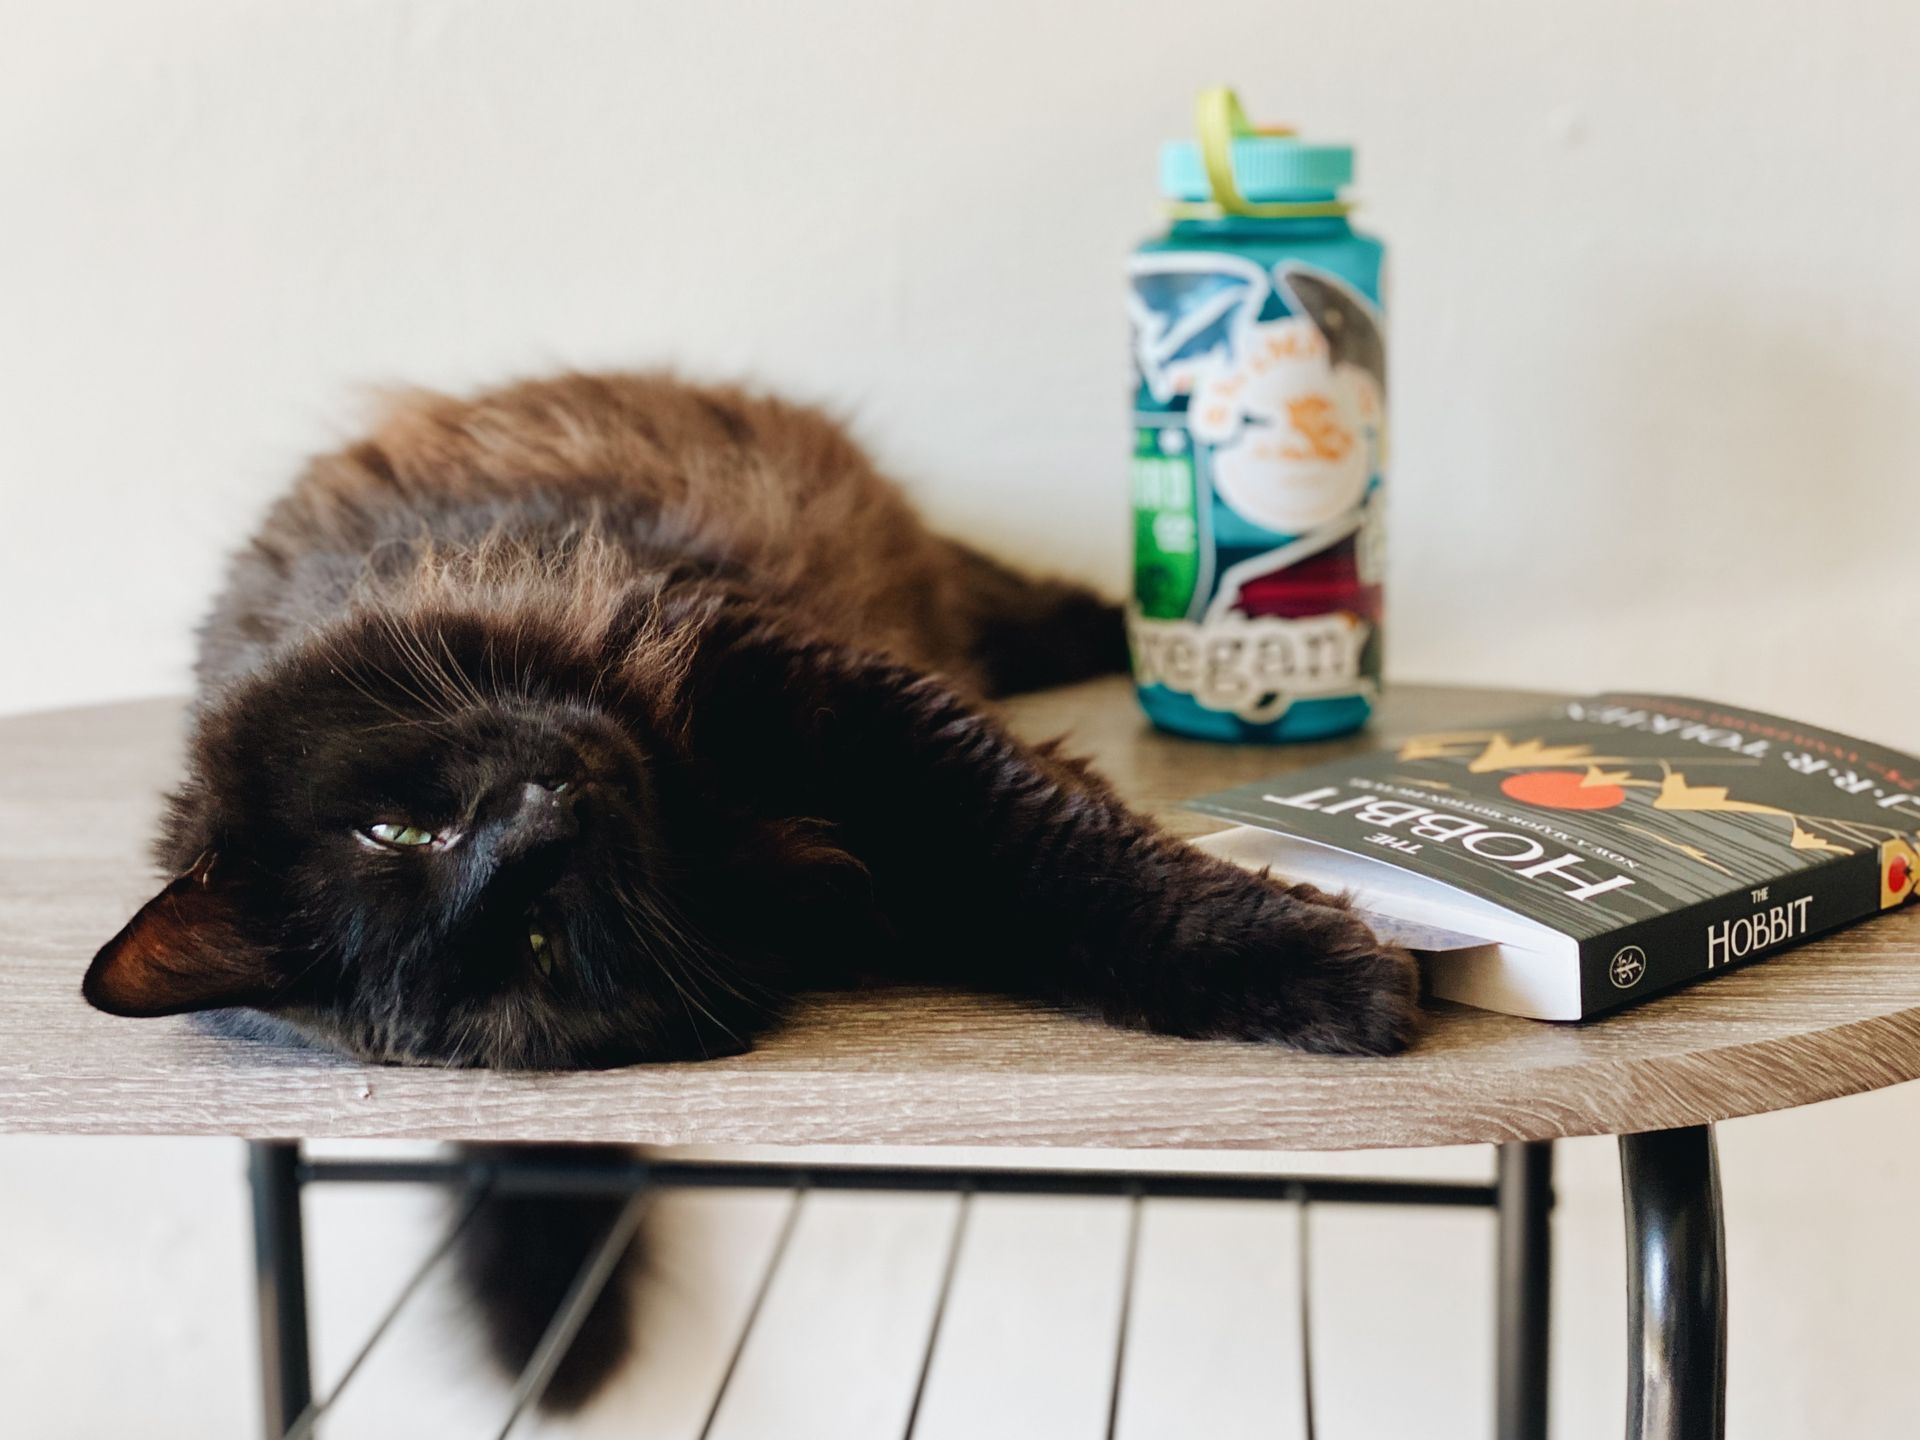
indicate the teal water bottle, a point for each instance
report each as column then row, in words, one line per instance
column 1259, row 441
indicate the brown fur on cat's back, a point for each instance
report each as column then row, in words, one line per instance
column 767, row 490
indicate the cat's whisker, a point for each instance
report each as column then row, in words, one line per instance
column 451, row 668
column 439, row 712
column 668, row 961
column 445, row 704
column 687, row 945
column 432, row 670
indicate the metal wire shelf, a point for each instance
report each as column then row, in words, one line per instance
column 1520, row 1197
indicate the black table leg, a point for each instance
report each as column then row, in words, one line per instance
column 280, row 1275
column 1676, row 1286
column 1524, row 1281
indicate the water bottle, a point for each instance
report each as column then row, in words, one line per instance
column 1259, row 441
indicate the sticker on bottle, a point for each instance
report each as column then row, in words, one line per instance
column 1258, row 459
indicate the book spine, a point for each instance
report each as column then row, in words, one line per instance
column 1713, row 936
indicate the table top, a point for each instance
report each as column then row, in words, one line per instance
column 79, row 790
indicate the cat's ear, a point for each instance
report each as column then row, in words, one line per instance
column 183, row 951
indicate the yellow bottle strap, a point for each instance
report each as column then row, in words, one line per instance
column 1219, row 121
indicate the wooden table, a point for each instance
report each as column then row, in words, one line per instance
column 79, row 791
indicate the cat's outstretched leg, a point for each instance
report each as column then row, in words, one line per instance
column 1029, row 633
column 1008, row 866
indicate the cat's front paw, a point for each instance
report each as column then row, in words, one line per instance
column 1269, row 962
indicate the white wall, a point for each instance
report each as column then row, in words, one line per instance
column 1656, row 318
column 1656, row 306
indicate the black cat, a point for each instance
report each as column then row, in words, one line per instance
column 587, row 721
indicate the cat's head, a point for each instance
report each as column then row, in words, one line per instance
column 398, row 841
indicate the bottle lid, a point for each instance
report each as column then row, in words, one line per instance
column 1265, row 167
column 1234, row 168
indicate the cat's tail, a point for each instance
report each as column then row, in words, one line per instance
column 520, row 1253
column 1029, row 633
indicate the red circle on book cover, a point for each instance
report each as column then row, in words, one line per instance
column 1561, row 790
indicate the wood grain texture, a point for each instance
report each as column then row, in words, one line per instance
column 79, row 791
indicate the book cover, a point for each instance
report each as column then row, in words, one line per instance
column 1633, row 841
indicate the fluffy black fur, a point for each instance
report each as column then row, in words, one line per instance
column 587, row 722
column 520, row 1253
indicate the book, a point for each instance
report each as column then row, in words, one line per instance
column 1597, row 853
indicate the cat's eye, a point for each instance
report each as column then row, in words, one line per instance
column 389, row 834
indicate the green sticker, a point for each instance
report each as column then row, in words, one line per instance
column 1166, row 524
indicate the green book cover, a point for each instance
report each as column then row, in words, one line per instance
column 1602, row 851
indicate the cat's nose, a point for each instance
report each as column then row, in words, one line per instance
column 539, row 815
